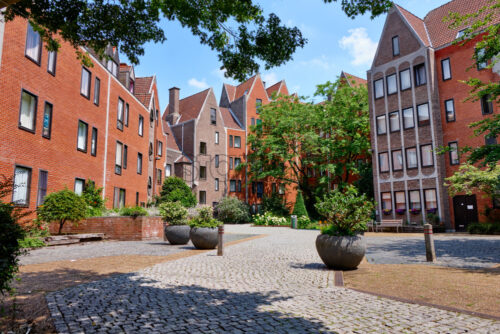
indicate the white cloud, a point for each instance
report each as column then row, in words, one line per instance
column 193, row 82
column 359, row 46
column 321, row 62
column 269, row 78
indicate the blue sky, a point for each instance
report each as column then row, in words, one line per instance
column 335, row 43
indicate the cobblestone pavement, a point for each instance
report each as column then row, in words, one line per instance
column 110, row 248
column 274, row 284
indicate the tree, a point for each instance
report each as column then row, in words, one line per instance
column 300, row 208
column 174, row 189
column 233, row 211
column 62, row 206
column 354, row 8
column 470, row 179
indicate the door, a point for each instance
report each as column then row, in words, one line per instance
column 465, row 210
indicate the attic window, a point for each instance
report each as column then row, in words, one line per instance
column 460, row 33
column 112, row 66
column 395, row 46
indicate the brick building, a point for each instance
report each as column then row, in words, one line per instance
column 416, row 106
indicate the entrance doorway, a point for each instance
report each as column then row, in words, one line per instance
column 465, row 210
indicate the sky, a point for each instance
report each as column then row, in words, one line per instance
column 335, row 43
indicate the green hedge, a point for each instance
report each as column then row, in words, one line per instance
column 484, row 228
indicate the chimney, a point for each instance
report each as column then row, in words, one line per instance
column 174, row 104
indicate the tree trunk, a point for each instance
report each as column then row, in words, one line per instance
column 61, row 224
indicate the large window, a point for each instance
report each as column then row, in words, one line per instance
column 420, row 77
column 486, row 104
column 400, row 200
column 27, row 111
column 378, row 87
column 118, row 158
column 118, row 198
column 408, row 121
column 386, row 202
column 203, row 172
column 423, row 114
column 449, row 106
column 119, row 118
column 446, row 69
column 394, row 121
column 453, row 151
column 426, row 155
column 383, row 160
column 411, row 158
column 141, row 126
column 392, row 85
column 395, row 46
column 203, row 148
column 51, row 62
column 22, row 186
column 139, row 163
column 33, row 48
column 203, row 197
column 415, row 200
column 237, row 141
column 83, row 129
column 79, row 186
column 42, row 187
column 216, row 184
column 430, row 199
column 405, row 79
column 397, row 160
column 47, row 121
column 97, row 91
column 381, row 125
column 213, row 116
column 93, row 142
column 85, row 83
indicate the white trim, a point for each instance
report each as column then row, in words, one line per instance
column 106, row 138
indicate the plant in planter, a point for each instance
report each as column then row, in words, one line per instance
column 400, row 211
column 177, row 230
column 387, row 211
column 204, row 232
column 341, row 244
column 415, row 211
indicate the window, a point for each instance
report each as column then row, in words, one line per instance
column 232, row 186
column 160, row 148
column 453, row 152
column 379, row 88
column 203, row 148
column 237, row 141
column 33, row 49
column 150, row 152
column 490, row 140
column 258, row 105
column 381, row 125
column 411, row 158
column 237, row 162
column 479, row 55
column 125, row 156
column 281, row 189
column 395, row 46
column 446, row 69
column 486, row 104
column 203, row 197
column 238, row 186
column 216, row 184
column 449, row 106
column 85, row 83
column 118, row 158
column 139, row 163
column 426, row 155
column 386, row 202
column 157, row 116
column 404, row 79
column 79, row 186
column 119, row 198
column 136, row 198
column 460, row 33
column 112, row 67
column 168, row 170
column 93, row 142
column 397, row 160
column 230, row 140
column 423, row 114
column 260, row 189
column 27, row 111
column 392, row 85
column 126, row 114
column 415, row 200
column 408, row 121
column 51, row 62
column 203, row 172
column 141, row 125
column 252, row 121
column 42, row 187
column 394, row 121
column 430, row 199
column 230, row 163
column 420, row 78
column 119, row 117
column 383, row 160
column 217, row 137
column 83, row 129
column 213, row 116
column 216, row 161
column 47, row 121
column 400, row 200
column 97, row 91
column 158, row 176
column 22, row 186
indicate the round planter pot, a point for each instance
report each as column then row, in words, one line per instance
column 177, row 234
column 341, row 252
column 204, row 237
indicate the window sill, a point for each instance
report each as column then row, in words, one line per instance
column 26, row 129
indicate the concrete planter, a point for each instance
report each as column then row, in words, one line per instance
column 177, row 234
column 204, row 237
column 341, row 252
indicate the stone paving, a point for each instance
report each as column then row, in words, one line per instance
column 274, row 284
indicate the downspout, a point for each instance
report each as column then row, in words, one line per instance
column 106, row 139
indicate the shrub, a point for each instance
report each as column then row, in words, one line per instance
column 204, row 218
column 275, row 205
column 346, row 212
column 93, row 198
column 133, row 211
column 31, row 242
column 268, row 219
column 174, row 213
column 232, row 210
column 303, row 222
column 10, row 249
column 484, row 228
column 62, row 206
column 300, row 208
column 174, row 189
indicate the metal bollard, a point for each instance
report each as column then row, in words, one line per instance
column 430, row 253
column 294, row 221
column 220, row 244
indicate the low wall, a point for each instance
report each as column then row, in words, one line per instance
column 117, row 228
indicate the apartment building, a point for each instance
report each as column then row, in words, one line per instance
column 416, row 106
column 62, row 123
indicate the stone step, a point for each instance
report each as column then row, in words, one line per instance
column 61, row 242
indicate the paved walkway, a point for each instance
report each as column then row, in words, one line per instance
column 275, row 284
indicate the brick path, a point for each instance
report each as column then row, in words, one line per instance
column 274, row 284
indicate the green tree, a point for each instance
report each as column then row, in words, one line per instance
column 93, row 197
column 300, row 208
column 62, row 206
column 174, row 189
column 470, row 179
column 233, row 211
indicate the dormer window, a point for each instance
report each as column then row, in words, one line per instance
column 395, row 46
column 131, row 86
column 112, row 66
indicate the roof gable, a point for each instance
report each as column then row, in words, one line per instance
column 190, row 107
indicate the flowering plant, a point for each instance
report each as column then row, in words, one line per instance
column 387, row 211
column 433, row 210
column 400, row 211
column 415, row 211
column 268, row 219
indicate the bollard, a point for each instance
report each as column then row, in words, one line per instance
column 430, row 253
column 294, row 221
column 220, row 244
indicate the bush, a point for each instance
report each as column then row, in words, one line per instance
column 133, row 211
column 174, row 189
column 484, row 228
column 300, row 208
column 174, row 213
column 62, row 206
column 304, row 222
column 268, row 219
column 205, row 218
column 31, row 242
column 346, row 212
column 10, row 249
column 232, row 210
column 275, row 205
column 93, row 198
